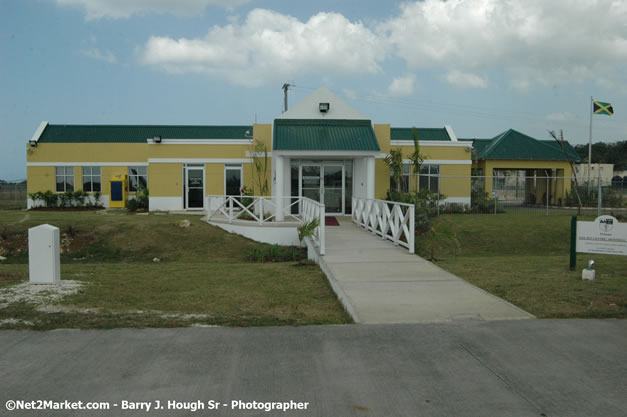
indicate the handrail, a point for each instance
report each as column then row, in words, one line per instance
column 389, row 219
column 253, row 208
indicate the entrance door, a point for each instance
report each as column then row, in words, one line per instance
column 194, row 186
column 333, row 188
column 324, row 183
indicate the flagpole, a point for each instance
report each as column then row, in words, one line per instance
column 590, row 140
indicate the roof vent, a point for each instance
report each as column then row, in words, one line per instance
column 324, row 107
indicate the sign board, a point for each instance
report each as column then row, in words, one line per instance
column 605, row 235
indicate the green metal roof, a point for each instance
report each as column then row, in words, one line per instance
column 424, row 133
column 137, row 133
column 324, row 135
column 518, row 146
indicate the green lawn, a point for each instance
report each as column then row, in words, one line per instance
column 203, row 275
column 523, row 258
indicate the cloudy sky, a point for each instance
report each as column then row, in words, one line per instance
column 482, row 66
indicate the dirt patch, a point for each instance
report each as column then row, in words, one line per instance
column 38, row 294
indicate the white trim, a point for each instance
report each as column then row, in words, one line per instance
column 277, row 235
column 199, row 160
column 458, row 200
column 259, row 154
column 39, row 131
column 86, row 164
column 430, row 143
column 442, row 161
column 450, row 132
column 150, row 141
column 186, row 169
column 165, row 203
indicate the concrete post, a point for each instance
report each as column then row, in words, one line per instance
column 370, row 175
column 44, row 264
column 279, row 171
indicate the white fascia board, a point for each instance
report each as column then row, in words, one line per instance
column 85, row 164
column 430, row 143
column 39, row 131
column 442, row 161
column 199, row 160
column 347, row 154
column 151, row 141
column 450, row 132
column 260, row 154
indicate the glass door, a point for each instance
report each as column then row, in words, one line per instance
column 333, row 188
column 325, row 184
column 194, row 186
column 311, row 186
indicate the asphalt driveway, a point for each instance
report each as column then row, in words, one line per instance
column 468, row 368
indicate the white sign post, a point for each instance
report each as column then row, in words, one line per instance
column 44, row 265
column 605, row 235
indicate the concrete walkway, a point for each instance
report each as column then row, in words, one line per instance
column 381, row 283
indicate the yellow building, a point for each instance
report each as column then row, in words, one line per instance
column 321, row 148
column 543, row 166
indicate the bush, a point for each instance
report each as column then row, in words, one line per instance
column 273, row 253
column 481, row 202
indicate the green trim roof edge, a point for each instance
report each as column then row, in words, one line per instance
column 324, row 135
column 100, row 133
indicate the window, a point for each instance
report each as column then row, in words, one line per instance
column 430, row 178
column 91, row 179
column 404, row 180
column 137, row 178
column 232, row 179
column 64, row 179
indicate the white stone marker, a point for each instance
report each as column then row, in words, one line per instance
column 44, row 263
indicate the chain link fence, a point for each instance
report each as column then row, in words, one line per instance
column 534, row 195
column 13, row 195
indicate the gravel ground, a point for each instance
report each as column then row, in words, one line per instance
column 38, row 294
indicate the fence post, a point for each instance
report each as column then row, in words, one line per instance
column 600, row 196
column 548, row 197
column 412, row 228
column 573, row 243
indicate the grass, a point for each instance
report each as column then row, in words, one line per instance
column 202, row 277
column 523, row 258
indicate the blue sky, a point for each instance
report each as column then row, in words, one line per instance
column 482, row 66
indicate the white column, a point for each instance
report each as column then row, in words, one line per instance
column 279, row 173
column 370, row 175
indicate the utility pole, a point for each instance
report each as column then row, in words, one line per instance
column 590, row 141
column 285, row 87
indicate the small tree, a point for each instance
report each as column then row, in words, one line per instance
column 416, row 157
column 394, row 160
column 260, row 162
column 560, row 142
column 305, row 231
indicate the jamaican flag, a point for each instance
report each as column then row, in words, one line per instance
column 599, row 107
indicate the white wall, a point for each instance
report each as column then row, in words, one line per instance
column 277, row 235
column 165, row 203
column 308, row 108
column 360, row 178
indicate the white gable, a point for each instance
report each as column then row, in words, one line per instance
column 309, row 108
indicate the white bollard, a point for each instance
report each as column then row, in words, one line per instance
column 588, row 274
column 44, row 263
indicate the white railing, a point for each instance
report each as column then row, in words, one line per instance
column 310, row 210
column 388, row 219
column 260, row 209
column 263, row 209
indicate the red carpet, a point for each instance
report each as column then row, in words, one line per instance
column 330, row 221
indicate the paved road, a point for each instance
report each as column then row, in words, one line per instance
column 472, row 368
column 380, row 283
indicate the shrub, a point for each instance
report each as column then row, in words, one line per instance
column 273, row 253
column 481, row 202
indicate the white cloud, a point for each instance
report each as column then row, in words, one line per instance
column 271, row 46
column 96, row 53
column 97, row 9
column 560, row 117
column 538, row 42
column 465, row 80
column 402, row 86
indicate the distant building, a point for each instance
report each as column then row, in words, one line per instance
column 606, row 171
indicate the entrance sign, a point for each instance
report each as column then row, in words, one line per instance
column 605, row 235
